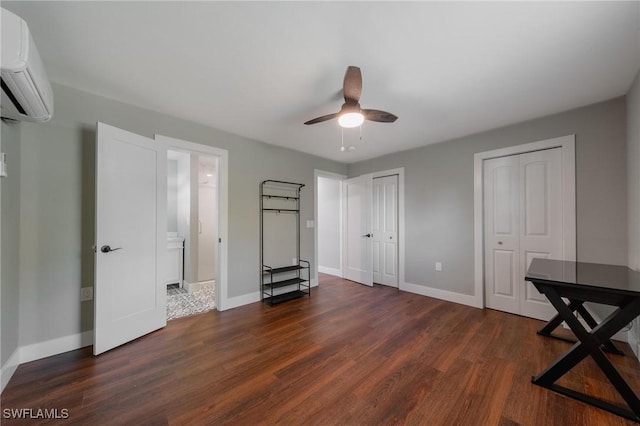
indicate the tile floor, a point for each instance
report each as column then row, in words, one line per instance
column 181, row 304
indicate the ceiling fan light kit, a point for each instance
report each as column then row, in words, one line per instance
column 351, row 119
column 351, row 115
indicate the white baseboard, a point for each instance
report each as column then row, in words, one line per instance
column 9, row 367
column 245, row 299
column 55, row 346
column 330, row 271
column 437, row 293
column 191, row 287
column 41, row 350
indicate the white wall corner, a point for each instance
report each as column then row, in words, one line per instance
column 436, row 293
column 57, row 346
column 9, row 368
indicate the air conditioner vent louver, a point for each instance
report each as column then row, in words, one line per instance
column 26, row 91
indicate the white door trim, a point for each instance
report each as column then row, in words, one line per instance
column 567, row 143
column 401, row 240
column 316, row 174
column 222, row 283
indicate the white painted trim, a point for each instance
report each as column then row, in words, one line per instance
column 222, row 285
column 245, row 299
column 567, row 143
column 321, row 173
column 57, row 346
column 401, row 228
column 191, row 287
column 436, row 293
column 9, row 367
column 330, row 271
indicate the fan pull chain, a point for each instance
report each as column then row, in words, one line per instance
column 361, row 132
column 342, row 143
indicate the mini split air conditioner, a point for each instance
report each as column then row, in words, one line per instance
column 26, row 92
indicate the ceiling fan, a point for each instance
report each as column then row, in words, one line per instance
column 351, row 115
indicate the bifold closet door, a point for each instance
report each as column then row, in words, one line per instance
column 522, row 221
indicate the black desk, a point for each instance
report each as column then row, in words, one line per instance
column 588, row 282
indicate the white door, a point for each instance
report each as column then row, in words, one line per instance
column 385, row 230
column 131, row 237
column 523, row 220
column 357, row 247
column 207, row 233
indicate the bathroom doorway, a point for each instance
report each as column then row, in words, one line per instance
column 192, row 232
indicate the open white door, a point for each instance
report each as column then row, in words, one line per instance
column 131, row 237
column 357, row 237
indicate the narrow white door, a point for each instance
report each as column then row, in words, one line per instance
column 501, row 234
column 523, row 220
column 541, row 229
column 385, row 230
column 131, row 237
column 207, row 233
column 357, row 247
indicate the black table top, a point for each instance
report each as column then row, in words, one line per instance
column 618, row 279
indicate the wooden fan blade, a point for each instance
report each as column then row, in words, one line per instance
column 379, row 116
column 323, row 118
column 352, row 87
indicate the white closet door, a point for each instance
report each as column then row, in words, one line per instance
column 502, row 242
column 540, row 222
column 385, row 230
column 523, row 220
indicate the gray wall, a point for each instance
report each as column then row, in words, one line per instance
column 56, row 230
column 329, row 222
column 10, row 214
column 633, row 190
column 439, row 192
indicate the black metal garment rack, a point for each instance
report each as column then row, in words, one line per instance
column 279, row 283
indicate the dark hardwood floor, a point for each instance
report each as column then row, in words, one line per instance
column 348, row 355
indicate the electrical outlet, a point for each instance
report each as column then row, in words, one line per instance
column 438, row 266
column 86, row 293
column 310, row 224
column 294, row 261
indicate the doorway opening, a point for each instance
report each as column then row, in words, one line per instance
column 192, row 232
column 360, row 226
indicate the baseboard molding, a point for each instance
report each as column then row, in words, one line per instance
column 9, row 367
column 436, row 293
column 330, row 271
column 57, row 346
column 245, row 299
column 191, row 287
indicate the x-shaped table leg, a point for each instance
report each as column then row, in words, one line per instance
column 576, row 306
column 589, row 344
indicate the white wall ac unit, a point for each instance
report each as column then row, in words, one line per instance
column 26, row 91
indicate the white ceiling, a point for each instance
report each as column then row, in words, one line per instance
column 260, row 69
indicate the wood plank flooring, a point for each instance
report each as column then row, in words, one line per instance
column 349, row 355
